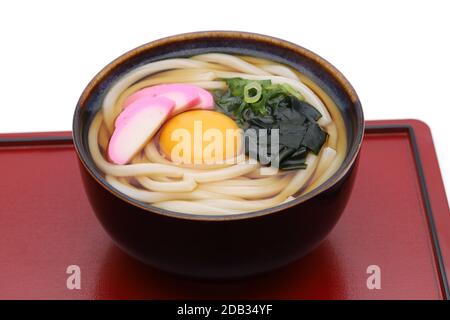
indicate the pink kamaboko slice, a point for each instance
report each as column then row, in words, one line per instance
column 185, row 96
column 136, row 125
column 206, row 99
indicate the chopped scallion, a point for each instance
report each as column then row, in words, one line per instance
column 252, row 92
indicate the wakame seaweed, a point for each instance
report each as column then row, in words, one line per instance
column 278, row 107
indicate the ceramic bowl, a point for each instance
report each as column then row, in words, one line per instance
column 211, row 246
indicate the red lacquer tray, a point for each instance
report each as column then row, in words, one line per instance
column 397, row 218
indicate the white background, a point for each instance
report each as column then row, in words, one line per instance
column 395, row 53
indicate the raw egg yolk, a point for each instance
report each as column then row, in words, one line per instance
column 200, row 137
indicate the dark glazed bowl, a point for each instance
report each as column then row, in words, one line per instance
column 221, row 246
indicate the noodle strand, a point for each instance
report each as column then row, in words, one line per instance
column 238, row 185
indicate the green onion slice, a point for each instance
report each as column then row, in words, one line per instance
column 252, row 92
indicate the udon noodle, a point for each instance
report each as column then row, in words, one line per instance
column 223, row 189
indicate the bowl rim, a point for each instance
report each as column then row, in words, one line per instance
column 193, row 36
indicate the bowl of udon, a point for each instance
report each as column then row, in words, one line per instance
column 218, row 154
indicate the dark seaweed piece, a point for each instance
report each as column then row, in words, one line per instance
column 266, row 122
column 254, row 146
column 277, row 101
column 291, row 134
column 314, row 138
column 285, row 153
column 296, row 160
column 306, row 109
column 293, row 164
column 248, row 114
column 287, row 113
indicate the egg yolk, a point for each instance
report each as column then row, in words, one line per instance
column 200, row 137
